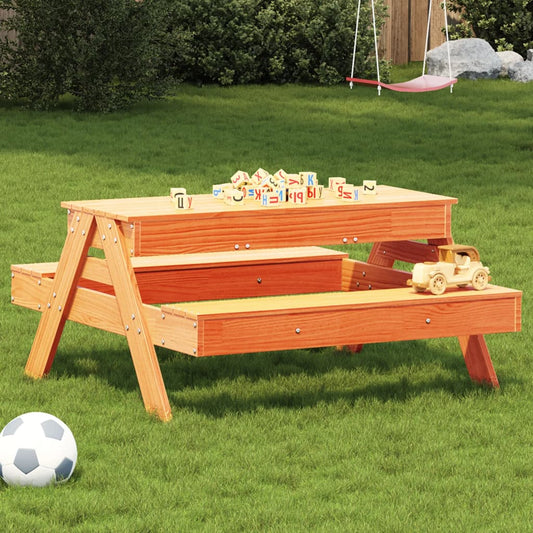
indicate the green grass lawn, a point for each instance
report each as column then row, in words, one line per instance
column 396, row 438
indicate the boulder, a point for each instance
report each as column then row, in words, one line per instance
column 521, row 71
column 508, row 58
column 470, row 58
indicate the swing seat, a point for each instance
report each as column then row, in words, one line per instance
column 421, row 84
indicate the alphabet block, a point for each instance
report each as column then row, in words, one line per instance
column 280, row 175
column 239, row 179
column 180, row 200
column 258, row 176
column 218, row 190
column 309, row 179
column 369, row 187
column 315, row 192
column 350, row 193
column 297, row 195
column 273, row 198
column 233, row 197
column 333, row 182
column 293, row 180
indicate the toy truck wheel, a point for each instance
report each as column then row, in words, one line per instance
column 480, row 280
column 437, row 284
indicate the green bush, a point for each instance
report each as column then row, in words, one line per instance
column 275, row 41
column 107, row 53
column 505, row 24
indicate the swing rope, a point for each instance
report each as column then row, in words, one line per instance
column 423, row 83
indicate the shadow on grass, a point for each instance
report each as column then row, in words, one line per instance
column 216, row 386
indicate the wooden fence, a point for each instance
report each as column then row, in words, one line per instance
column 403, row 37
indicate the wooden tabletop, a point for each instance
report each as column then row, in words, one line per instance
column 160, row 207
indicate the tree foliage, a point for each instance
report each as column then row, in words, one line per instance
column 505, row 24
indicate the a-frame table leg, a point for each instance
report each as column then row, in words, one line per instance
column 478, row 361
column 57, row 308
column 135, row 324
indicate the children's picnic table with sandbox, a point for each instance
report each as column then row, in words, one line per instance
column 220, row 279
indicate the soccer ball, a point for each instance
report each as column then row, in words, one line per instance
column 36, row 449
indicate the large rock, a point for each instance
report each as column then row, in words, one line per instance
column 508, row 58
column 470, row 58
column 521, row 71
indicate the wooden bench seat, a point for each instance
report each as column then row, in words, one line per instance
column 344, row 318
column 214, row 275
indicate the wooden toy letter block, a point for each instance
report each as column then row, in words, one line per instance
column 239, row 179
column 273, row 198
column 338, row 188
column 280, row 175
column 297, row 196
column 218, row 190
column 293, row 180
column 350, row 193
column 258, row 176
column 369, row 187
column 315, row 192
column 333, row 182
column 233, row 197
column 309, row 179
column 180, row 200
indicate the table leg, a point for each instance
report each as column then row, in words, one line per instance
column 56, row 312
column 477, row 359
column 135, row 324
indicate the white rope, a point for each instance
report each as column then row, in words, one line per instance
column 427, row 38
column 376, row 46
column 355, row 41
column 448, row 44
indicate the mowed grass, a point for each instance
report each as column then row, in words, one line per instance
column 395, row 438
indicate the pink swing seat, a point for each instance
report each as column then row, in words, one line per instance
column 421, row 84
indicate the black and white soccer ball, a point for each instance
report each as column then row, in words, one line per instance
column 37, row 449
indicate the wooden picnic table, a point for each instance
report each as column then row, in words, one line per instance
column 219, row 279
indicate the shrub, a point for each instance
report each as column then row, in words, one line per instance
column 106, row 53
column 505, row 24
column 273, row 41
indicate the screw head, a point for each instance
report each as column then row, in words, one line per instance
column 428, row 320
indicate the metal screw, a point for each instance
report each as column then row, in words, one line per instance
column 247, row 246
column 39, row 282
column 345, row 240
column 298, row 330
column 163, row 341
column 103, row 237
column 355, row 239
column 259, row 280
column 115, row 240
column 194, row 350
column 364, row 274
column 71, row 230
column 12, row 298
column 131, row 226
column 48, row 305
column 237, row 247
column 59, row 308
column 127, row 327
column 133, row 317
column 428, row 320
column 77, row 219
column 109, row 226
column 163, row 316
column 83, row 232
column 369, row 287
column 12, row 275
column 195, row 325
column 54, row 295
column 139, row 331
column 39, row 306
